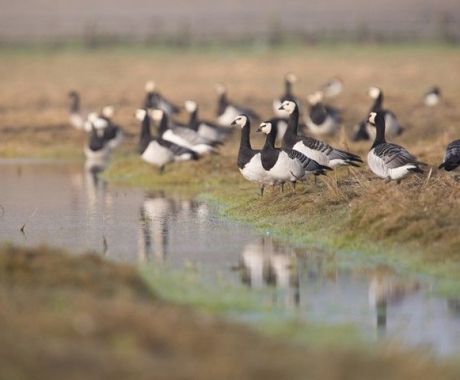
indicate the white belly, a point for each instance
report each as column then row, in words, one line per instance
column 286, row 169
column 379, row 168
column 230, row 114
column 253, row 171
column 313, row 154
column 209, row 133
column 115, row 142
column 328, row 127
column 102, row 154
column 157, row 155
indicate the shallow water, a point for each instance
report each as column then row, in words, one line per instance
column 67, row 206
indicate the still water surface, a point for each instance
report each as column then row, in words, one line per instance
column 66, row 206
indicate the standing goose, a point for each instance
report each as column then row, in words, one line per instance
column 285, row 165
column 158, row 151
column 206, row 129
column 321, row 119
column 76, row 117
column 432, row 97
column 153, row 99
column 451, row 161
column 181, row 135
column 332, row 88
column 316, row 150
column 386, row 160
column 289, row 80
column 249, row 160
column 227, row 111
column 97, row 147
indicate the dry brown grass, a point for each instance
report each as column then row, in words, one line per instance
column 83, row 318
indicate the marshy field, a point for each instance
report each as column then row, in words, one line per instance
column 191, row 273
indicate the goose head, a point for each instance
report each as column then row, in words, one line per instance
column 376, row 118
column 150, row 86
column 240, row 121
column 108, row 112
column 220, row 89
column 374, row 92
column 157, row 115
column 288, row 106
column 73, row 94
column 190, row 106
column 265, row 127
column 140, row 114
column 315, row 98
column 290, row 78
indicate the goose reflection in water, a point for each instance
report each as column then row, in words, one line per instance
column 386, row 290
column 263, row 263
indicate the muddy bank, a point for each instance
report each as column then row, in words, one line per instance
column 82, row 317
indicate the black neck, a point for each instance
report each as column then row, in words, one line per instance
column 287, row 88
column 245, row 141
column 193, row 122
column 377, row 106
column 222, row 103
column 146, row 134
column 380, row 135
column 75, row 104
column 164, row 124
column 271, row 138
column 293, row 121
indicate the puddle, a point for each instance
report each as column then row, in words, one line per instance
column 68, row 206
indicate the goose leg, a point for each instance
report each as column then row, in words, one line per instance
column 162, row 169
column 293, row 185
column 387, row 180
column 262, row 190
column 282, row 187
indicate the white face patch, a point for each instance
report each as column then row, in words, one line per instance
column 288, row 106
column 150, row 86
column 220, row 88
column 315, row 98
column 374, row 92
column 190, row 106
column 266, row 128
column 140, row 114
column 291, row 78
column 372, row 116
column 157, row 115
column 108, row 112
column 241, row 121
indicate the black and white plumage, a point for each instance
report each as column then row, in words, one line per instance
column 319, row 151
column 386, row 160
column 210, row 131
column 451, row 161
column 249, row 160
column 113, row 133
column 228, row 111
column 155, row 100
column 285, row 165
column 321, row 119
column 157, row 151
column 366, row 131
column 289, row 80
column 182, row 135
column 97, row 147
column 432, row 97
column 332, row 88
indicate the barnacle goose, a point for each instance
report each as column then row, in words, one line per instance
column 332, row 88
column 289, row 80
column 386, row 160
column 321, row 119
column 314, row 149
column 77, row 118
column 249, row 160
column 158, row 151
column 97, row 147
column 365, row 131
column 206, row 129
column 451, row 161
column 285, row 165
column 181, row 135
column 432, row 97
column 227, row 111
column 113, row 134
column 154, row 100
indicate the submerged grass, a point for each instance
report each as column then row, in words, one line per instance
column 78, row 317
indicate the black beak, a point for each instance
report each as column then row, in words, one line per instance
column 281, row 108
column 233, row 123
column 259, row 129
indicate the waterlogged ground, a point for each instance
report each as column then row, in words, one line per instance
column 68, row 206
